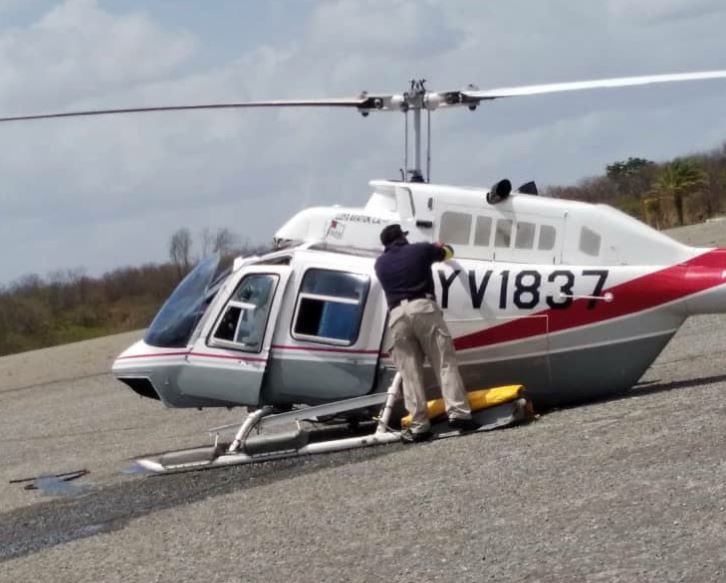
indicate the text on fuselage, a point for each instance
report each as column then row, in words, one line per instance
column 524, row 289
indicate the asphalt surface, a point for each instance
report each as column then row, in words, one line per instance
column 631, row 489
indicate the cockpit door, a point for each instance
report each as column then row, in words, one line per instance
column 228, row 360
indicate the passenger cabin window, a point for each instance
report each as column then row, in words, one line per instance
column 483, row 233
column 242, row 325
column 330, row 306
column 455, row 228
column 547, row 235
column 524, row 238
column 589, row 242
column 503, row 233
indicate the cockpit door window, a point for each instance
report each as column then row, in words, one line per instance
column 243, row 322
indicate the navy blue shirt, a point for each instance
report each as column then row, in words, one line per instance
column 404, row 270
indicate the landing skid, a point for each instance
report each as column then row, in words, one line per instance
column 247, row 449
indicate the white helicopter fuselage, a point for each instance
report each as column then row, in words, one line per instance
column 571, row 299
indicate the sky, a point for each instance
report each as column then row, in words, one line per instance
column 100, row 193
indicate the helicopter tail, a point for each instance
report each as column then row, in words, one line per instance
column 707, row 273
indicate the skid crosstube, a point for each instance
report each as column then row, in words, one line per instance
column 313, row 413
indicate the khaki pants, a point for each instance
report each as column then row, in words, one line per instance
column 418, row 329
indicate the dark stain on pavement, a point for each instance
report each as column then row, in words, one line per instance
column 28, row 530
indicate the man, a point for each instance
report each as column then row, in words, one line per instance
column 418, row 329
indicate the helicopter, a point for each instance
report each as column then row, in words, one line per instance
column 569, row 299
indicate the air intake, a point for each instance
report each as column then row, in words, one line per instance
column 499, row 191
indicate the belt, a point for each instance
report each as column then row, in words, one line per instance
column 394, row 305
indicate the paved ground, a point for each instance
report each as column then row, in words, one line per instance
column 632, row 489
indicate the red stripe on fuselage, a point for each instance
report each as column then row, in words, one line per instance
column 236, row 357
column 152, row 355
column 642, row 293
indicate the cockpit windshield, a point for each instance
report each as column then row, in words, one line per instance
column 173, row 325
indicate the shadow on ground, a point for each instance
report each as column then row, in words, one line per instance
column 32, row 529
column 653, row 387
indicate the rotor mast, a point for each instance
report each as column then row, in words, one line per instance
column 416, row 100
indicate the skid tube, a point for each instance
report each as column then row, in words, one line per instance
column 246, row 450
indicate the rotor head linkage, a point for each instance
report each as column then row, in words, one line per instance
column 416, row 99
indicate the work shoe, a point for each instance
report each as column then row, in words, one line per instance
column 408, row 436
column 464, row 424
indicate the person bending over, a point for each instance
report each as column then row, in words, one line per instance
column 418, row 330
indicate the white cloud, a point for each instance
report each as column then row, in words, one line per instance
column 6, row 5
column 421, row 28
column 661, row 11
column 78, row 51
column 103, row 191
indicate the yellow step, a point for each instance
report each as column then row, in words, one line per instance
column 479, row 399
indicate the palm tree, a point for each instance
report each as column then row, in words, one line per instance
column 678, row 179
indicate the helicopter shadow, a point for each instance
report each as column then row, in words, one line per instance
column 641, row 389
column 652, row 387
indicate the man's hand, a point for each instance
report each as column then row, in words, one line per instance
column 448, row 250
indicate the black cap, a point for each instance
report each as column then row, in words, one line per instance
column 392, row 233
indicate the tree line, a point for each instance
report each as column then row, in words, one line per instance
column 69, row 305
column 685, row 190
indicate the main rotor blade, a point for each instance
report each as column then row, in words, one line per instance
column 367, row 103
column 356, row 102
column 597, row 84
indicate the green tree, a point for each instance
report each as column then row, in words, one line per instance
column 678, row 179
column 630, row 167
